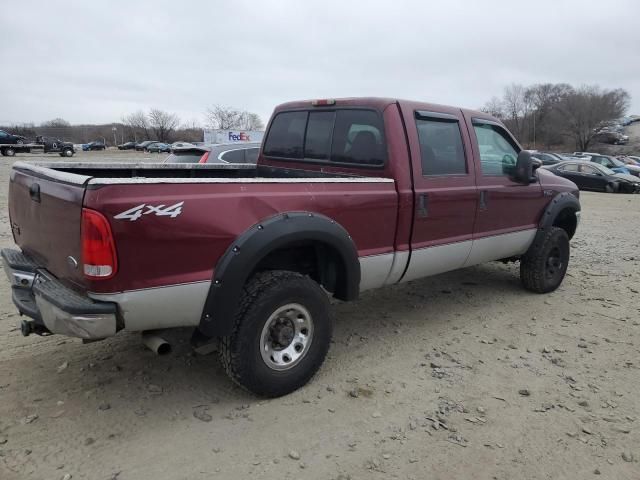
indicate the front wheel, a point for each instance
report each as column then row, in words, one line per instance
column 281, row 335
column 9, row 152
column 543, row 267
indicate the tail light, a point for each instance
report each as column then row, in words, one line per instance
column 204, row 157
column 98, row 247
column 323, row 102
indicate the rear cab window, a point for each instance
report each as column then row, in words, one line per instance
column 345, row 136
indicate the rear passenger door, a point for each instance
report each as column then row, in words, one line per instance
column 444, row 191
column 508, row 211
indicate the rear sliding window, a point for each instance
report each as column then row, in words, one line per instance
column 340, row 136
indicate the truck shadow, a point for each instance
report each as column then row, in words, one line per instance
column 121, row 375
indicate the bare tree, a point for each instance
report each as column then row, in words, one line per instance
column 581, row 111
column 494, row 107
column 542, row 100
column 138, row 123
column 251, row 121
column 219, row 117
column 56, row 123
column 515, row 106
column 222, row 118
column 162, row 123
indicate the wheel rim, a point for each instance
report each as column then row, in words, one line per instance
column 554, row 264
column 286, row 337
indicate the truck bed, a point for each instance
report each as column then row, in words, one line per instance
column 110, row 173
column 171, row 222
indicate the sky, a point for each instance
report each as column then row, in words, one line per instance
column 96, row 61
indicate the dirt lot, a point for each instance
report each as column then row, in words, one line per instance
column 464, row 375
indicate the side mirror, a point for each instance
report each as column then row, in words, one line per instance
column 524, row 168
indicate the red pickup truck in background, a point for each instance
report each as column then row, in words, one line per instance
column 347, row 195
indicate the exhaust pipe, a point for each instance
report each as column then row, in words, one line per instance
column 156, row 344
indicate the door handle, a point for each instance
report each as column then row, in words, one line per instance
column 423, row 202
column 34, row 192
column 483, row 199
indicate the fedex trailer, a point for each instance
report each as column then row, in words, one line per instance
column 232, row 136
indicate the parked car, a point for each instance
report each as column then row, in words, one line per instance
column 611, row 137
column 347, row 196
column 604, row 160
column 616, row 165
column 158, row 147
column 181, row 145
column 630, row 160
column 222, row 153
column 143, row 145
column 11, row 144
column 127, row 146
column 7, row 138
column 547, row 158
column 593, row 176
column 97, row 145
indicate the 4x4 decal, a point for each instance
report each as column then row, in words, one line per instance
column 135, row 213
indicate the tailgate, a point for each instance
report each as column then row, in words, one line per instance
column 45, row 214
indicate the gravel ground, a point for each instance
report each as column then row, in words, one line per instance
column 464, row 375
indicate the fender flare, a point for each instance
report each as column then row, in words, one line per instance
column 559, row 203
column 241, row 257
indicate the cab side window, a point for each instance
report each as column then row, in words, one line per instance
column 441, row 148
column 498, row 152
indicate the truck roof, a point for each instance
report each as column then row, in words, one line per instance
column 378, row 103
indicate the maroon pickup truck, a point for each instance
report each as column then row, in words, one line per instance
column 347, row 195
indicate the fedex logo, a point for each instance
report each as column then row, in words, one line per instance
column 239, row 137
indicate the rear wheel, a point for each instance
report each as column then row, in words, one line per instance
column 543, row 267
column 281, row 335
column 9, row 152
column 67, row 152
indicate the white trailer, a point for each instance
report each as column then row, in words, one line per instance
column 232, row 136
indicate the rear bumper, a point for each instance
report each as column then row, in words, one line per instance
column 53, row 307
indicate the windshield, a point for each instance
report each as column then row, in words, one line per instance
column 605, row 170
column 616, row 162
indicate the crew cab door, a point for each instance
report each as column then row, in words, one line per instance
column 508, row 211
column 445, row 196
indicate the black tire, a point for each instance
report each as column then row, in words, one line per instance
column 543, row 267
column 9, row 152
column 67, row 152
column 3, row 153
column 263, row 295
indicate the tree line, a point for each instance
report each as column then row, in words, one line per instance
column 553, row 114
column 154, row 124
